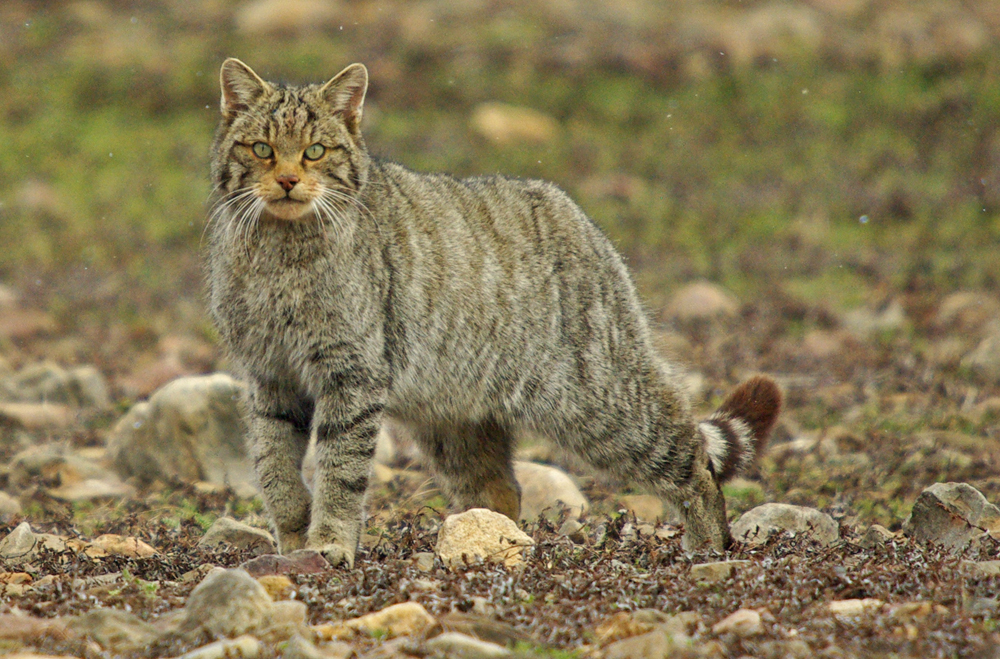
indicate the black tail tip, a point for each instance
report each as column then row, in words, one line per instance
column 757, row 403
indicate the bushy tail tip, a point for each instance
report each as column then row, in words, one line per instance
column 737, row 432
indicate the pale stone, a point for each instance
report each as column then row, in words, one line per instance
column 227, row 603
column 9, row 506
column 876, row 536
column 22, row 544
column 278, row 586
column 91, row 489
column 509, row 124
column 952, row 515
column 983, row 568
column 118, row 545
column 228, row 531
column 192, row 430
column 481, row 534
column 29, row 629
column 424, row 561
column 865, row 322
column 454, row 644
column 246, row 647
column 710, row 573
column 702, row 300
column 45, row 382
column 36, row 417
column 547, row 490
column 114, row 629
column 405, row 619
column 985, row 359
column 743, row 623
column 754, row 526
column 853, row 608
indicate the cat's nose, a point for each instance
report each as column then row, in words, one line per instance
column 287, row 181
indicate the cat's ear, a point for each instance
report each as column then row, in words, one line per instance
column 240, row 87
column 346, row 93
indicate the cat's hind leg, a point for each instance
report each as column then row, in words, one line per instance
column 473, row 461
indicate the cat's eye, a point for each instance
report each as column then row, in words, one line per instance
column 262, row 150
column 315, row 152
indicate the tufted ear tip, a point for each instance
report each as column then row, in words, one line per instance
column 240, row 87
column 346, row 93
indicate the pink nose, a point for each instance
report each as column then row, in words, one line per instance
column 287, row 181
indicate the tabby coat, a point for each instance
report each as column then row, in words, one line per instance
column 349, row 290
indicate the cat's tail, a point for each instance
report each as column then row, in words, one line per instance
column 737, row 432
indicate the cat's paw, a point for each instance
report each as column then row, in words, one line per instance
column 336, row 554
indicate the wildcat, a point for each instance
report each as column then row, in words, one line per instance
column 348, row 290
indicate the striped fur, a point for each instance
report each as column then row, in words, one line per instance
column 348, row 290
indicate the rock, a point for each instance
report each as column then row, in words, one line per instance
column 228, row 531
column 754, row 526
column 117, row 545
column 877, row 536
column 547, row 490
column 709, row 573
column 246, row 647
column 23, row 545
column 504, row 124
column 864, row 322
column 966, row 311
column 853, row 608
column 299, row 647
column 424, row 561
column 114, row 630
column 36, row 417
column 192, row 430
column 406, row 619
column 54, row 464
column 702, row 300
column 301, row 561
column 92, row 489
column 644, row 506
column 985, row 359
column 656, row 644
column 279, row 18
column 227, row 603
column 952, row 515
column 743, row 623
column 574, row 529
column 45, row 382
column 621, row 625
column 983, row 568
column 28, row 629
column 278, row 587
column 481, row 623
column 287, row 619
column 480, row 534
column 460, row 646
column 9, row 506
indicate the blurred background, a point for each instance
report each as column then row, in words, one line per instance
column 831, row 166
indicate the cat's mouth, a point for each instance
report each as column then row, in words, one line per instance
column 286, row 208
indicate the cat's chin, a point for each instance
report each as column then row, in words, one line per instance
column 289, row 210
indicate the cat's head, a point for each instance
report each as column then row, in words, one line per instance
column 287, row 151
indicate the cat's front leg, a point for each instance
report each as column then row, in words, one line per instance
column 278, row 436
column 346, row 427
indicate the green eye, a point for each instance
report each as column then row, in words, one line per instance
column 262, row 150
column 315, row 152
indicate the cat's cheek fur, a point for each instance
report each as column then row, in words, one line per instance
column 469, row 311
